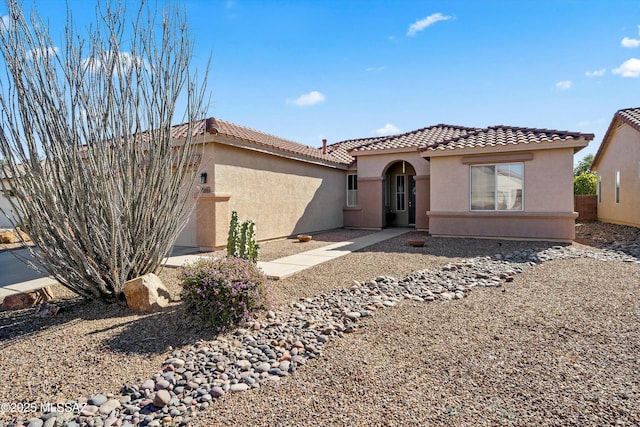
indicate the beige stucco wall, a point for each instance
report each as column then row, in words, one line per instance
column 622, row 154
column 283, row 196
column 547, row 200
column 371, row 169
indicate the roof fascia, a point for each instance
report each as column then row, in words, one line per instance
column 576, row 144
column 615, row 124
column 384, row 151
column 225, row 140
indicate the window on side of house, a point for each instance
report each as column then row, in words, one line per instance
column 400, row 193
column 352, row 190
column 617, row 186
column 497, row 187
column 599, row 189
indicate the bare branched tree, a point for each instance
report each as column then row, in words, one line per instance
column 100, row 184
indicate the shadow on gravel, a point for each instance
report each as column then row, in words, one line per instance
column 144, row 334
column 458, row 247
column 154, row 333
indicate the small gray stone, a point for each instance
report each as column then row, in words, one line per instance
column 243, row 364
column 109, row 406
column 148, row 385
column 89, row 410
column 235, row 388
column 263, row 367
column 97, row 400
column 35, row 422
column 162, row 384
column 217, row 392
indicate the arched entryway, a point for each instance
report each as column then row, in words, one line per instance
column 399, row 194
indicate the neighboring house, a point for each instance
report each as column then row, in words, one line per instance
column 499, row 181
column 617, row 164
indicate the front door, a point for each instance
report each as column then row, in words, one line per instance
column 412, row 199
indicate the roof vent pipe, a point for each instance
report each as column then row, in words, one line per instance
column 211, row 126
column 324, row 146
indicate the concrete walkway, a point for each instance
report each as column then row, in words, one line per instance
column 276, row 269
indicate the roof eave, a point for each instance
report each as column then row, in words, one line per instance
column 576, row 144
column 616, row 122
column 252, row 145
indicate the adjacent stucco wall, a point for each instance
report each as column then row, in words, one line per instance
column 283, row 196
column 621, row 154
column 548, row 200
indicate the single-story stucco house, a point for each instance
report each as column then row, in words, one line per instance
column 617, row 165
column 501, row 181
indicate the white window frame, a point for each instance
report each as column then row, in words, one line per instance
column 352, row 190
column 401, row 207
column 496, row 201
column 617, row 187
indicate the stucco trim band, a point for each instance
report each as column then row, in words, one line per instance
column 519, row 225
column 497, row 158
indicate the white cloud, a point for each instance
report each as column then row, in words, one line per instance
column 629, row 68
column 312, row 98
column 125, row 62
column 426, row 22
column 564, row 85
column 375, row 69
column 4, row 22
column 40, row 53
column 388, row 129
column 629, row 42
column 597, row 73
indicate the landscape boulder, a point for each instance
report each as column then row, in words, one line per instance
column 27, row 299
column 7, row 236
column 146, row 293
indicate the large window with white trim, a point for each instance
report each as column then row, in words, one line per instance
column 617, row 186
column 497, row 187
column 352, row 190
column 400, row 193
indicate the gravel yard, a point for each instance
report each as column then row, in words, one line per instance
column 557, row 346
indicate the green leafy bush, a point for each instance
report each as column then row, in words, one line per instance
column 585, row 184
column 222, row 291
column 241, row 242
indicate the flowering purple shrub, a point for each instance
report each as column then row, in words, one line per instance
column 222, row 291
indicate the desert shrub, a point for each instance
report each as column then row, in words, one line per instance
column 222, row 291
column 585, row 184
column 241, row 241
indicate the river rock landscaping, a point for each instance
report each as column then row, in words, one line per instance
column 286, row 340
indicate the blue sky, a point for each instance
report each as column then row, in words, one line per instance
column 339, row 69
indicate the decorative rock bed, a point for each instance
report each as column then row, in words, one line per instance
column 266, row 351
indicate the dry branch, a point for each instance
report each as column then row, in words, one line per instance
column 86, row 138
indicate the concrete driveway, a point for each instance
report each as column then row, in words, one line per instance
column 13, row 270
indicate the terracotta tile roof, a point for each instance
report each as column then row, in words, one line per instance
column 495, row 136
column 259, row 139
column 630, row 116
column 419, row 138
